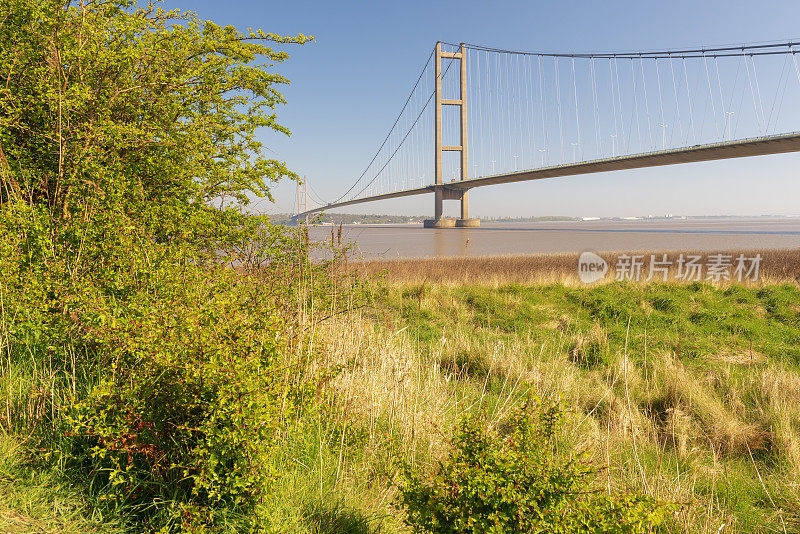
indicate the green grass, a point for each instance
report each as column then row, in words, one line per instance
column 690, row 389
column 36, row 497
column 689, row 393
column 694, row 321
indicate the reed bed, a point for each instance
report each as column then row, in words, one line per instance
column 777, row 266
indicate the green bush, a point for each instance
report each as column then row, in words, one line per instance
column 515, row 481
column 129, row 146
column 167, row 383
column 184, row 422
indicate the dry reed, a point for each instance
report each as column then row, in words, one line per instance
column 660, row 428
column 777, row 266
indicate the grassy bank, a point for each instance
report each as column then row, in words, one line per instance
column 689, row 393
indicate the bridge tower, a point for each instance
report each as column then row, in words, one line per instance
column 302, row 197
column 443, row 192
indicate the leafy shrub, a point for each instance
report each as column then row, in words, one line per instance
column 186, row 418
column 515, row 481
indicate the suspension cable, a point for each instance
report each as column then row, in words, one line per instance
column 711, row 93
column 758, row 89
column 647, row 105
column 777, row 91
column 427, row 103
column 772, row 48
column 689, row 101
column 596, row 109
column 677, row 106
column 636, row 105
column 390, row 130
column 558, row 93
column 577, row 120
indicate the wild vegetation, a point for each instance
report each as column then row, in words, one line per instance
column 139, row 370
column 685, row 394
column 173, row 364
column 777, row 266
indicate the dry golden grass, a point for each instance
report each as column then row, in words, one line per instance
column 658, row 427
column 705, row 436
column 777, row 266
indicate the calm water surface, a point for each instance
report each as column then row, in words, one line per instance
column 411, row 241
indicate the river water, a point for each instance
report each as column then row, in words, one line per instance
column 412, row 241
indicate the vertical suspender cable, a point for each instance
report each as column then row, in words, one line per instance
column 619, row 101
column 507, row 98
column 494, row 129
column 758, row 88
column 596, row 110
column 753, row 93
column 647, row 105
column 614, row 105
column 542, row 111
column 689, row 100
column 661, row 107
column 479, row 99
column 577, row 120
column 711, row 93
column 777, row 92
column 796, row 68
column 512, row 97
column 733, row 95
column 531, row 120
column 677, row 107
column 498, row 112
column 636, row 107
column 519, row 112
column 560, row 124
column 725, row 110
column 519, row 118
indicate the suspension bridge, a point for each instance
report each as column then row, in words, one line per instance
column 511, row 116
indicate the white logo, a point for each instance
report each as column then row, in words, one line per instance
column 591, row 267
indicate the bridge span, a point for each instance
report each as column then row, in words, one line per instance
column 762, row 146
column 514, row 116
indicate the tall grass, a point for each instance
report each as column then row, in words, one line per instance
column 777, row 266
column 35, row 495
column 688, row 393
column 714, row 429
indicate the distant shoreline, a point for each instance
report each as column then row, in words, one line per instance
column 396, row 220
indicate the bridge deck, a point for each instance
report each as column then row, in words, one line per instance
column 734, row 149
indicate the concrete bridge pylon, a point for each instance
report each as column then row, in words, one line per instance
column 441, row 191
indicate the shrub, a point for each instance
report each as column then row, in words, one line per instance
column 515, row 481
column 185, row 419
column 128, row 150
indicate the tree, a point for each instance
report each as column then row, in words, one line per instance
column 117, row 114
column 128, row 146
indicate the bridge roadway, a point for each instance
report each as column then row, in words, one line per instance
column 760, row 146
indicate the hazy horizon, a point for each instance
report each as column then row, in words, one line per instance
column 492, row 217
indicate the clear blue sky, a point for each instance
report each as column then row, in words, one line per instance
column 349, row 85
